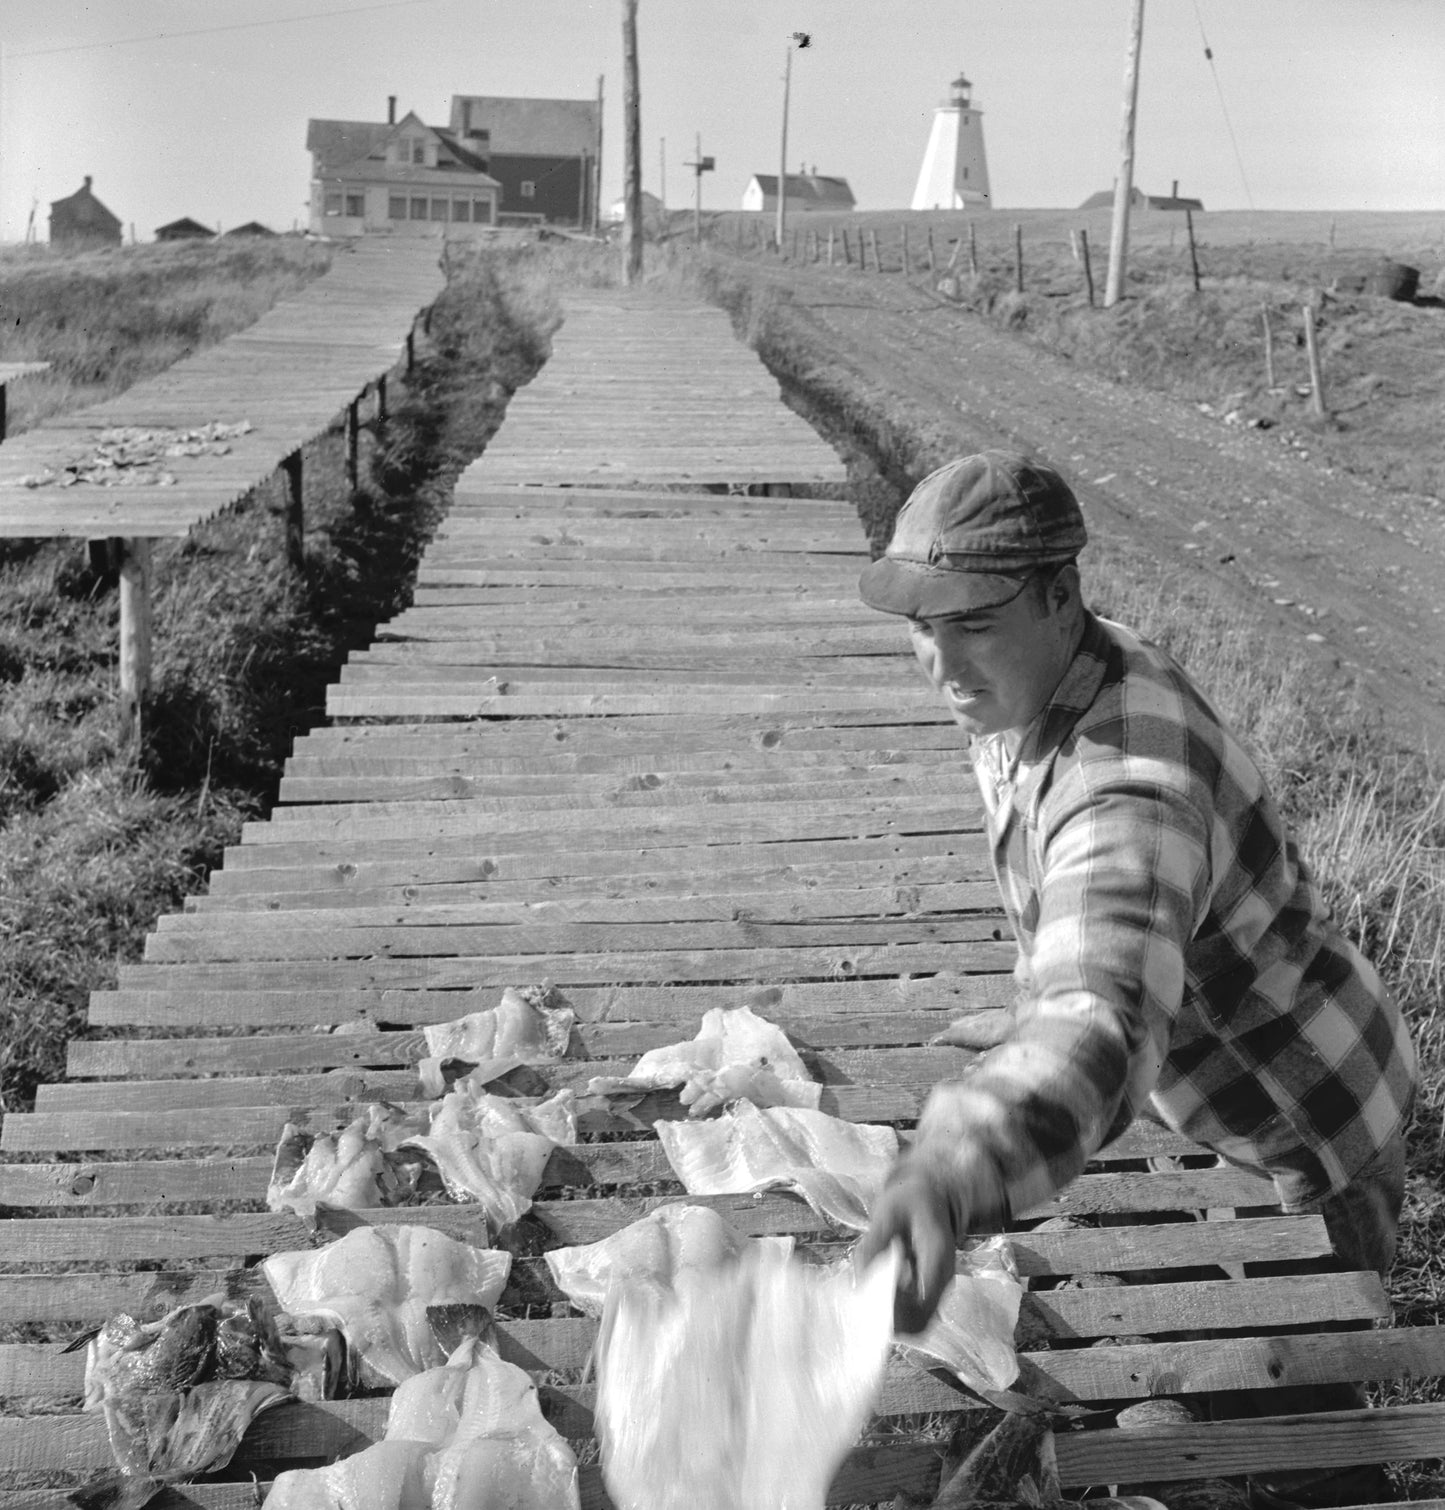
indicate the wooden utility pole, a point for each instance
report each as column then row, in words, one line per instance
column 801, row 39
column 1124, row 184
column 632, row 147
column 597, row 169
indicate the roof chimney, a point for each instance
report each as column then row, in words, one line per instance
column 391, row 110
column 86, row 184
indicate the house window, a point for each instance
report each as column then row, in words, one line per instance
column 333, row 204
column 965, row 172
column 396, row 207
column 418, row 152
column 482, row 211
column 418, row 207
column 529, row 189
column 965, row 120
column 356, row 205
column 461, row 209
column 439, row 209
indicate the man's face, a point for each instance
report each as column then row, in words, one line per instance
column 995, row 668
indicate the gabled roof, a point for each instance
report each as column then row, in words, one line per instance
column 251, row 228
column 1105, row 197
column 84, row 207
column 185, row 226
column 813, row 186
column 521, row 127
column 356, row 150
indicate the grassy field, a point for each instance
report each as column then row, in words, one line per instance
column 93, row 845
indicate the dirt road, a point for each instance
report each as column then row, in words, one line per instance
column 1354, row 574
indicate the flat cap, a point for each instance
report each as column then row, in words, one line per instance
column 970, row 535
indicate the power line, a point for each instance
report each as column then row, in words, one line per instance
column 206, row 31
column 1223, row 108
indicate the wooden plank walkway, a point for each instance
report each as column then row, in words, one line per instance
column 650, row 748
column 644, row 389
column 288, row 376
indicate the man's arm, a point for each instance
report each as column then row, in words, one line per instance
column 1125, row 880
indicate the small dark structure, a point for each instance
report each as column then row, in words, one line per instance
column 251, row 228
column 81, row 220
column 184, row 229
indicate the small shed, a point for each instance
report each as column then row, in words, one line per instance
column 1138, row 200
column 251, row 228
column 82, row 220
column 805, row 191
column 184, row 229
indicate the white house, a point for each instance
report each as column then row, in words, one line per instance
column 805, row 191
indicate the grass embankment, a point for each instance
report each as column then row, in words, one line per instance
column 107, row 319
column 94, row 844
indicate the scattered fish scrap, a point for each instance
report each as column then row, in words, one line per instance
column 130, row 457
column 468, row 1432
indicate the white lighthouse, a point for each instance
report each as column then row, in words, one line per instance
column 954, row 174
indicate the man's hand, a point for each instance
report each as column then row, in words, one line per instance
column 917, row 1210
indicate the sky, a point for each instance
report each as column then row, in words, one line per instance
column 199, row 107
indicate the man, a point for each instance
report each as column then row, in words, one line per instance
column 1173, row 949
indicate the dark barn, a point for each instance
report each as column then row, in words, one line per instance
column 81, row 220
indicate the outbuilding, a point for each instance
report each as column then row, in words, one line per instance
column 805, row 191
column 184, row 229
column 81, row 220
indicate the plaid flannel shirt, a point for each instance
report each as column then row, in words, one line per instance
column 1173, row 951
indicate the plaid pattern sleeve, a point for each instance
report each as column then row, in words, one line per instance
column 1172, row 949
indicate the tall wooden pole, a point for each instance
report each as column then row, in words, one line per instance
column 597, row 170
column 632, row 147
column 783, row 150
column 1124, row 184
column 697, row 191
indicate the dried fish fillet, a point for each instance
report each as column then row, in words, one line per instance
column 356, row 1168
column 972, row 1334
column 466, row 1434
column 735, row 1055
column 376, row 1285
column 529, row 1025
column 654, row 1251
column 838, row 1167
column 742, row 1388
column 493, row 1149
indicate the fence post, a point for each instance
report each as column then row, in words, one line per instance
column 830, row 246
column 932, row 262
column 1193, row 256
column 847, row 255
column 382, row 414
column 1317, row 380
column 1088, row 270
column 353, row 426
column 135, row 636
column 1019, row 258
column 972, row 251
column 295, row 513
column 877, row 259
column 905, row 251
column 1268, row 346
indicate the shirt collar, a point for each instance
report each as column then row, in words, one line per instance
column 1052, row 724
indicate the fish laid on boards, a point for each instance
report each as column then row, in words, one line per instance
column 383, row 1288
column 736, row 1054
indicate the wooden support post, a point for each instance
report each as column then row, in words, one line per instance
column 1193, row 255
column 877, row 258
column 295, row 514
column 847, row 255
column 1268, row 347
column 972, row 250
column 381, row 410
column 1088, row 266
column 135, row 636
column 2, row 411
column 905, row 250
column 830, row 246
column 1317, row 379
column 1019, row 258
column 410, row 350
column 953, row 255
column 932, row 260
column 353, row 427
